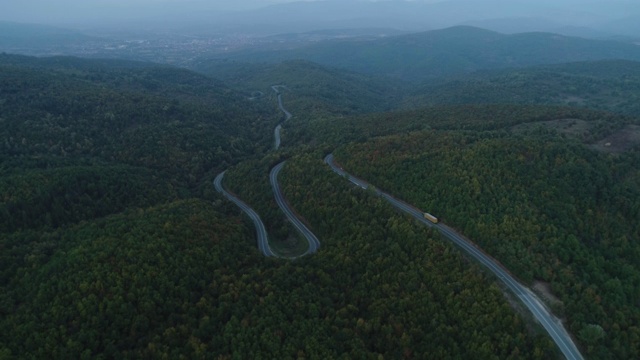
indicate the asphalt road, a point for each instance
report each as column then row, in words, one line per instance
column 314, row 243
column 276, row 135
column 287, row 116
column 261, row 232
column 551, row 324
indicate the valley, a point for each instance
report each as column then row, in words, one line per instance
column 153, row 211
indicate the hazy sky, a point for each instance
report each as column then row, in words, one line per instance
column 62, row 11
column 73, row 11
column 41, row 6
column 87, row 12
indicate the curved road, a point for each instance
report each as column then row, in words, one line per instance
column 287, row 116
column 261, row 232
column 549, row 322
column 314, row 243
column 276, row 136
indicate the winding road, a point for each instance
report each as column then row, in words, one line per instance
column 313, row 241
column 287, row 116
column 261, row 232
column 551, row 324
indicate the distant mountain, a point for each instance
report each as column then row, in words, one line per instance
column 303, row 16
column 629, row 26
column 316, row 15
column 586, row 32
column 527, row 24
column 15, row 37
column 439, row 53
column 514, row 25
column 328, row 34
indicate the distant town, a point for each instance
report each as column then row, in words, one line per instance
column 172, row 49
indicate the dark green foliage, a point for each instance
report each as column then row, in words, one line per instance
column 54, row 114
column 310, row 88
column 114, row 243
column 101, row 255
column 471, row 118
column 132, row 285
column 387, row 286
column 52, row 198
column 548, row 209
column 607, row 85
column 250, row 181
column 186, row 280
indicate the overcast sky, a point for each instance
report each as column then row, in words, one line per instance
column 68, row 12
column 44, row 6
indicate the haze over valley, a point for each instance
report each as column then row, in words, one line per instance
column 174, row 31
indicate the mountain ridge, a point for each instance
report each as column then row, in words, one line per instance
column 448, row 51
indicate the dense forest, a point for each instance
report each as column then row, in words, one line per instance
column 310, row 88
column 153, row 117
column 114, row 243
column 105, row 167
column 548, row 208
column 335, row 130
column 612, row 85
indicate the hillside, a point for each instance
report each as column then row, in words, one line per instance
column 156, row 117
column 611, row 85
column 115, row 243
column 309, row 86
column 472, row 118
column 555, row 212
column 450, row 51
column 105, row 176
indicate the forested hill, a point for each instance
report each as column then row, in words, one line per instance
column 115, row 245
column 158, row 117
column 109, row 225
column 135, row 77
column 84, row 139
column 612, row 85
column 586, row 125
column 309, row 86
column 450, row 51
column 549, row 208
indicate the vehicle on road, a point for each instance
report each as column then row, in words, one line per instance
column 431, row 218
column 551, row 324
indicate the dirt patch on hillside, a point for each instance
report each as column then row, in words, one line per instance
column 620, row 141
column 544, row 290
column 571, row 127
column 574, row 100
